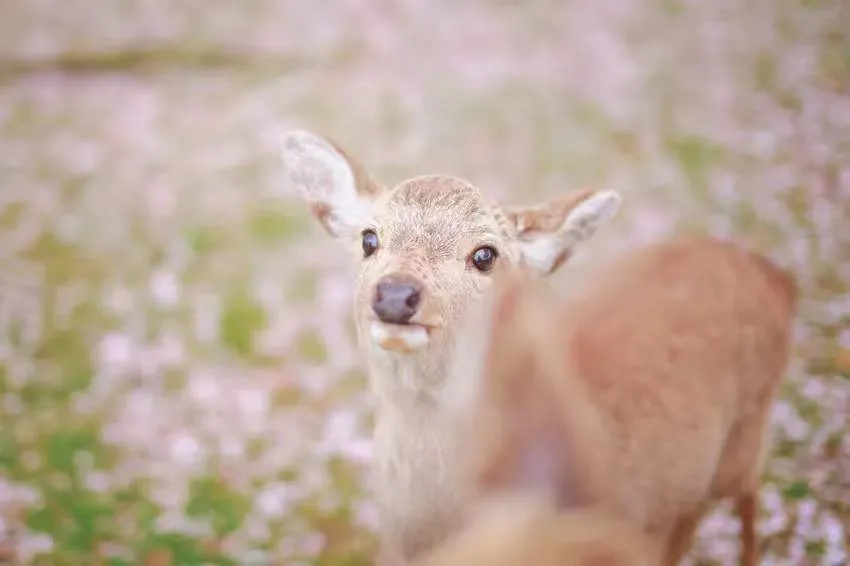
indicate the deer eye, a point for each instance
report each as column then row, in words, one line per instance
column 370, row 242
column 484, row 258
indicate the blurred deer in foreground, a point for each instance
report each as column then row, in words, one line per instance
column 428, row 247
column 528, row 530
column 647, row 394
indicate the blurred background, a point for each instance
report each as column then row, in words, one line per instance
column 178, row 376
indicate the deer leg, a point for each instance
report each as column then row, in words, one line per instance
column 681, row 537
column 746, row 506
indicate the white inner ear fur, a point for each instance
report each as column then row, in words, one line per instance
column 542, row 251
column 322, row 177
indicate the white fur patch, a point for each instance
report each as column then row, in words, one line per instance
column 542, row 252
column 396, row 338
column 470, row 356
column 321, row 176
column 590, row 214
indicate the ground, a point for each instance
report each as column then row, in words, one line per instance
column 178, row 370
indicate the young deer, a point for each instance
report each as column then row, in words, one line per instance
column 429, row 248
column 647, row 393
column 527, row 530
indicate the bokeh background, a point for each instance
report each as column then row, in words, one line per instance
column 179, row 382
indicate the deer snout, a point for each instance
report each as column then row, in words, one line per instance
column 396, row 299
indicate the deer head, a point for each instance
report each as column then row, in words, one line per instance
column 429, row 247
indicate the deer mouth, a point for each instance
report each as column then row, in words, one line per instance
column 399, row 338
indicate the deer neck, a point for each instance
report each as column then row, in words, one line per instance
column 416, row 434
column 410, row 383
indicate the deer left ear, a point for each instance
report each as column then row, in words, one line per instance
column 548, row 234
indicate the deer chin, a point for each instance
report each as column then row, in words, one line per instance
column 399, row 338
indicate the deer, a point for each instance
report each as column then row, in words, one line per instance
column 427, row 248
column 645, row 394
column 525, row 529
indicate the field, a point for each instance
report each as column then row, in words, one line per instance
column 179, row 381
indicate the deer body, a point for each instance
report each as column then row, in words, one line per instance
column 429, row 249
column 647, row 394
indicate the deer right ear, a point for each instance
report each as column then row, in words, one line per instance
column 336, row 187
column 548, row 234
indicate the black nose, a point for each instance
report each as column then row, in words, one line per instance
column 396, row 299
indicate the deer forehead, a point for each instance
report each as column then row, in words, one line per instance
column 434, row 213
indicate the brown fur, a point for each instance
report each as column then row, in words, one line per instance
column 545, row 218
column 648, row 393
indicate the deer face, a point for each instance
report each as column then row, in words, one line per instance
column 430, row 246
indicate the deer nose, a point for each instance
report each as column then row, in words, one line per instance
column 396, row 299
